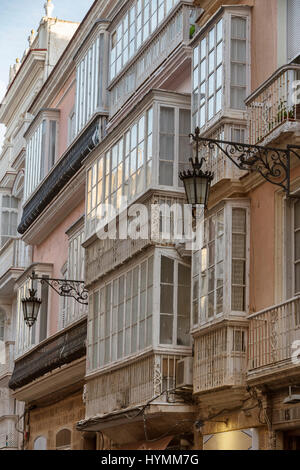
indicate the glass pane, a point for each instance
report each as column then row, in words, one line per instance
column 238, row 272
column 166, row 173
column 166, row 329
column 166, row 299
column 167, row 120
column 238, row 246
column 167, row 270
column 166, row 147
column 238, row 28
column 183, row 331
column 183, row 301
column 239, row 220
column 297, row 278
column 297, row 215
column 238, row 299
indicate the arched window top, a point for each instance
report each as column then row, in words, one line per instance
column 40, row 443
column 63, row 440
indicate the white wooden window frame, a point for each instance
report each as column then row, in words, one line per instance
column 37, row 161
column 176, row 260
column 229, row 13
column 138, row 23
column 154, row 341
column 87, row 80
column 151, row 160
column 97, row 194
column 100, row 332
column 10, row 211
column 227, row 267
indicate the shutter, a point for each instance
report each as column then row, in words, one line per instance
column 293, row 29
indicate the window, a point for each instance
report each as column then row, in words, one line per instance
column 63, row 440
column 2, row 325
column 125, row 170
column 238, row 277
column 214, row 268
column 297, row 248
column 210, row 79
column 293, row 33
column 174, row 144
column 121, row 315
column 41, row 149
column 89, row 83
column 238, row 62
column 40, row 443
column 175, row 291
column 8, row 218
column 70, row 309
column 134, row 29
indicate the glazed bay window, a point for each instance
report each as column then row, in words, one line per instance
column 221, row 67
column 90, row 81
column 8, row 218
column 121, row 316
column 124, row 317
column 174, row 144
column 175, row 293
column 41, row 149
column 134, row 29
column 149, row 152
column 124, row 170
column 220, row 266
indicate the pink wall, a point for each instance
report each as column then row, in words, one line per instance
column 64, row 101
column 55, row 250
column 262, row 245
column 263, row 40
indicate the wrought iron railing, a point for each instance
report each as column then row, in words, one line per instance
column 272, row 333
column 273, row 103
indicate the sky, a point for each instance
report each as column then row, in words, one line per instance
column 17, row 19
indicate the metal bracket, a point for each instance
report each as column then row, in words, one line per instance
column 65, row 287
column 273, row 164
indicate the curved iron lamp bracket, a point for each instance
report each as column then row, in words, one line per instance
column 273, row 164
column 65, row 287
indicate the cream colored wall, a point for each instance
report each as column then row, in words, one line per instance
column 47, row 421
column 232, row 440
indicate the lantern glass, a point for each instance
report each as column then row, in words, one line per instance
column 197, row 189
column 31, row 306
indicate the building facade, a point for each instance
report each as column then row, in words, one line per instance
column 180, row 346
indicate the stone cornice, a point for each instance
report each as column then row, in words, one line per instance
column 66, row 65
column 33, row 64
column 42, row 114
